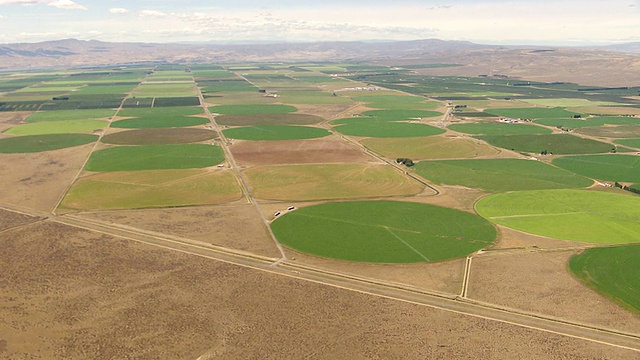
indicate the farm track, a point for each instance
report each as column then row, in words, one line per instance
column 391, row 290
column 234, row 166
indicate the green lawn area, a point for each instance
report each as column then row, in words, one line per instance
column 553, row 144
column 611, row 167
column 38, row 143
column 383, row 231
column 612, row 271
column 57, row 127
column 499, row 129
column 499, row 175
column 154, row 157
column 275, row 132
column 576, row 215
column 252, row 109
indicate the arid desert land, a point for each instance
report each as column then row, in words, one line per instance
column 317, row 210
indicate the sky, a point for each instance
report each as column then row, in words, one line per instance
column 504, row 22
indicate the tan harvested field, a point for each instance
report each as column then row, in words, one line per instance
column 331, row 111
column 430, row 148
column 329, row 149
column 152, row 188
column 269, row 119
column 443, row 277
column 11, row 119
column 233, row 226
column 490, row 104
column 64, row 300
column 540, row 282
column 38, row 180
column 606, row 110
column 329, row 181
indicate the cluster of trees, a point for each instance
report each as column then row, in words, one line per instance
column 625, row 187
column 405, row 161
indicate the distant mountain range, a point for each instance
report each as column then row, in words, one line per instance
column 82, row 53
column 606, row 65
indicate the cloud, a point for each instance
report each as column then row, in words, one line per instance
column 67, row 4
column 152, row 13
column 61, row 4
column 118, row 11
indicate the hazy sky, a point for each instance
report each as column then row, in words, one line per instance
column 560, row 22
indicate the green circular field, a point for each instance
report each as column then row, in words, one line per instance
column 383, row 231
column 37, row 143
column 395, row 115
column 553, row 143
column 155, row 157
column 275, row 132
column 612, row 271
column 159, row 136
column 499, row 129
column 577, row 215
column 385, row 129
column 611, row 167
column 500, row 175
column 58, row 127
column 252, row 109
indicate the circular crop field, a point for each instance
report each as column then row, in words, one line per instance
column 385, row 129
column 275, row 132
column 58, row 127
column 383, row 231
column 37, row 143
column 612, row 167
column 155, row 157
column 613, row 271
column 159, row 136
column 499, row 129
column 395, row 115
column 268, row 119
column 553, row 143
column 577, row 215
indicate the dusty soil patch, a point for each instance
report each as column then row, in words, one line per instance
column 540, row 282
column 268, row 119
column 76, row 295
column 159, row 136
column 327, row 111
column 10, row 119
column 330, row 149
column 38, row 180
column 9, row 219
column 232, row 226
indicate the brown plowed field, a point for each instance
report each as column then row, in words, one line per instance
column 325, row 150
column 540, row 282
column 268, row 119
column 38, row 180
column 233, row 226
column 10, row 119
column 73, row 294
column 159, row 136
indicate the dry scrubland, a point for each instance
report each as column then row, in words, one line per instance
column 102, row 290
column 163, row 304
